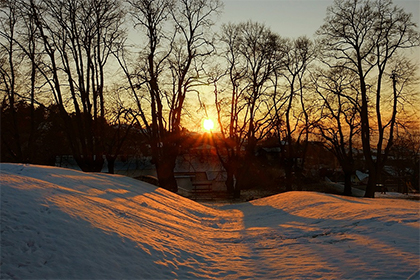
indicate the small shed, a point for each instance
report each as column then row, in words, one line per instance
column 359, row 178
column 200, row 173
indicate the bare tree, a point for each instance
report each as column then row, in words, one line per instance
column 363, row 36
column 29, row 38
column 9, row 62
column 230, row 108
column 258, row 46
column 232, row 131
column 145, row 84
column 291, row 116
column 249, row 52
column 77, row 37
column 19, row 44
column 169, row 69
column 405, row 157
column 121, row 124
column 339, row 121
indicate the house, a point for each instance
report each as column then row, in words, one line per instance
column 200, row 173
column 359, row 178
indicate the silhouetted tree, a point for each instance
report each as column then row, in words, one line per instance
column 339, row 121
column 291, row 113
column 249, row 50
column 405, row 156
column 364, row 36
column 177, row 34
column 48, row 136
column 19, row 50
column 9, row 62
column 120, row 127
column 77, row 37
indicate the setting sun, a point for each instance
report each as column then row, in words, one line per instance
column 208, row 124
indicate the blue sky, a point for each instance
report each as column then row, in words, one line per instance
column 291, row 18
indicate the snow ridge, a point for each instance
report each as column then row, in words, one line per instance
column 60, row 223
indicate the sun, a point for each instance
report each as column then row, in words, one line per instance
column 208, row 124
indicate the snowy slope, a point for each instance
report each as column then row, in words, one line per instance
column 59, row 223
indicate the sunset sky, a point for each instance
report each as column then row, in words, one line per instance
column 293, row 18
column 288, row 18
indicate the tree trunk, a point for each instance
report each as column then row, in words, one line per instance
column 237, row 186
column 371, row 185
column 288, row 169
column 164, row 155
column 166, row 175
column 347, row 182
column 230, row 181
column 90, row 164
column 237, row 191
column 111, row 163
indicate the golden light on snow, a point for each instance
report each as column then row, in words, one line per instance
column 208, row 124
column 288, row 235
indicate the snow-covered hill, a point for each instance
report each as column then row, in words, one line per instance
column 59, row 223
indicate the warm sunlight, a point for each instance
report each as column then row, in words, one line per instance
column 208, row 124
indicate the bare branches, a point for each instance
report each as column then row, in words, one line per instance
column 178, row 40
column 363, row 36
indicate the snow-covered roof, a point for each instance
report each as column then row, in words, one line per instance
column 197, row 163
column 362, row 176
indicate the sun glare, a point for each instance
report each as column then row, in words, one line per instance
column 208, row 124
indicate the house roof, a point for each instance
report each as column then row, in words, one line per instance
column 198, row 163
column 361, row 175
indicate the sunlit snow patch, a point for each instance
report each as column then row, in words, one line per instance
column 60, row 223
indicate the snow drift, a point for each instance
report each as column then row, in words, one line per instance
column 60, row 223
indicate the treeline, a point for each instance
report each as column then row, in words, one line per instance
column 75, row 66
column 42, row 139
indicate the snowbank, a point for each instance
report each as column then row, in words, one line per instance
column 60, row 223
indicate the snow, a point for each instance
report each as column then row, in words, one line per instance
column 60, row 223
column 361, row 176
